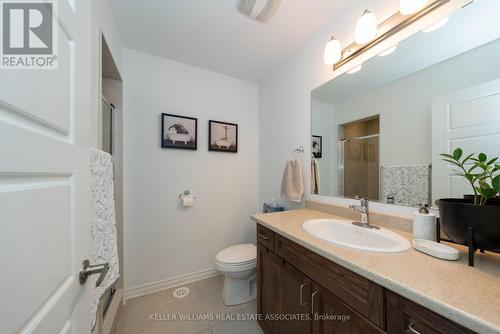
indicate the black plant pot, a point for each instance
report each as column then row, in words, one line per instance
column 472, row 225
column 495, row 200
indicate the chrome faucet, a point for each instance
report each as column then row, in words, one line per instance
column 365, row 213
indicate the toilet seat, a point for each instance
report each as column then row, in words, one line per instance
column 224, row 267
column 237, row 258
column 238, row 254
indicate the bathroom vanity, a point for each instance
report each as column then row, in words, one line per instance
column 379, row 132
column 317, row 287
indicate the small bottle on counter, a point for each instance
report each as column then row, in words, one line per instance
column 424, row 224
column 272, row 207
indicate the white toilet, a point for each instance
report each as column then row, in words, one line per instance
column 238, row 264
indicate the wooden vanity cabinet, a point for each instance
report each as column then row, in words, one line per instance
column 285, row 291
column 265, row 236
column 357, row 292
column 331, row 315
column 282, row 290
column 268, row 288
column 405, row 316
column 295, row 300
column 325, row 298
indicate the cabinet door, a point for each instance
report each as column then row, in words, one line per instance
column 362, row 295
column 295, row 301
column 330, row 315
column 268, row 289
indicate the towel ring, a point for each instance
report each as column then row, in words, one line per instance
column 299, row 150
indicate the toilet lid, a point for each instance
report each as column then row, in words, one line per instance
column 237, row 254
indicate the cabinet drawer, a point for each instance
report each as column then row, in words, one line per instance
column 265, row 236
column 403, row 314
column 362, row 295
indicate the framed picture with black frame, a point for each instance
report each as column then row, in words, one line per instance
column 179, row 132
column 222, row 136
column 317, row 146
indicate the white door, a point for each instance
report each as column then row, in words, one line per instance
column 469, row 119
column 44, row 225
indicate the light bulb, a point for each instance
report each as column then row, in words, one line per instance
column 355, row 69
column 333, row 52
column 388, row 51
column 366, row 28
column 407, row 7
column 436, row 25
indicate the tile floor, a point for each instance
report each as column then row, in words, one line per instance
column 204, row 298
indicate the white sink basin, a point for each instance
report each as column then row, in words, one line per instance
column 343, row 233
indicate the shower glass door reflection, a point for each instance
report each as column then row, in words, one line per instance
column 359, row 167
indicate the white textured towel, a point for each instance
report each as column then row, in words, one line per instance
column 292, row 185
column 104, row 247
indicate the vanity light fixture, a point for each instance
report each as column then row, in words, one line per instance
column 333, row 52
column 369, row 35
column 355, row 69
column 366, row 28
column 407, row 7
column 436, row 25
column 388, row 51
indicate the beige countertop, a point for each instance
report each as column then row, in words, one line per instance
column 470, row 296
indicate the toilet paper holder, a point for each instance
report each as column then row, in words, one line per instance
column 185, row 193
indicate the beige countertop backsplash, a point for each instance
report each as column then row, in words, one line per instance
column 470, row 296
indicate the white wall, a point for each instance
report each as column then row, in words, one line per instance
column 162, row 239
column 286, row 96
column 104, row 23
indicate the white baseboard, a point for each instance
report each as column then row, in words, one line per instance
column 168, row 283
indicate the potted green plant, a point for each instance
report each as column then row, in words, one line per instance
column 475, row 219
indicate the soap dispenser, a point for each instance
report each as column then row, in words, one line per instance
column 424, row 224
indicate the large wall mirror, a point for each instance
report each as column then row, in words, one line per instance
column 377, row 132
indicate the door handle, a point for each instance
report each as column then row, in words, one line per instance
column 302, row 294
column 312, row 302
column 101, row 269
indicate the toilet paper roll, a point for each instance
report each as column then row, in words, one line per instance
column 424, row 226
column 187, row 200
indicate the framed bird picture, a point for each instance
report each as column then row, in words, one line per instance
column 179, row 132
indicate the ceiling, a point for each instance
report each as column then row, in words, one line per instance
column 213, row 35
